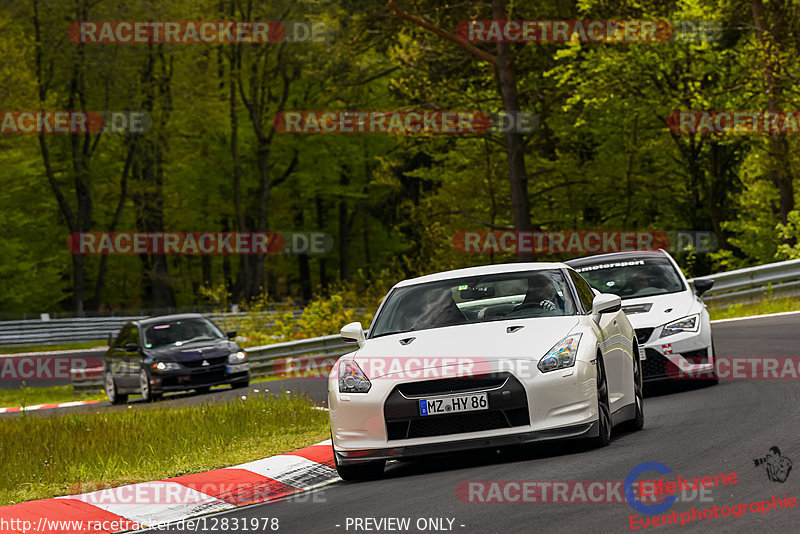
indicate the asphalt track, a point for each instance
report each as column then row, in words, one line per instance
column 695, row 431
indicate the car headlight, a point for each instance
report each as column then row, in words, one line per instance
column 166, row 366
column 562, row 355
column 684, row 324
column 352, row 379
column 237, row 357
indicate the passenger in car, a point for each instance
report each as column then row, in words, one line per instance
column 439, row 309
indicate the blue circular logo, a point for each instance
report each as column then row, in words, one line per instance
column 630, row 482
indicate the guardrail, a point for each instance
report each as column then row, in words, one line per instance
column 291, row 359
column 781, row 279
column 55, row 331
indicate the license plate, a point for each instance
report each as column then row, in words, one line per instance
column 240, row 368
column 454, row 404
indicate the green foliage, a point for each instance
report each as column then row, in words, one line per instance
column 263, row 322
column 602, row 158
column 790, row 234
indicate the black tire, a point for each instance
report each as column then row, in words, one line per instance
column 363, row 471
column 637, row 423
column 603, row 437
column 110, row 386
column 144, row 386
column 240, row 384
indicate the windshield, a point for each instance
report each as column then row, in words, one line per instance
column 640, row 277
column 521, row 295
column 180, row 332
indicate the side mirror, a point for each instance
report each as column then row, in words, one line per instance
column 353, row 333
column 231, row 334
column 131, row 347
column 701, row 285
column 606, row 303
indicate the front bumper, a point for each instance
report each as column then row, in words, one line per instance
column 528, row 407
column 183, row 379
column 691, row 350
column 349, row 457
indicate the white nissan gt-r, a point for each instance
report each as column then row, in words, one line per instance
column 481, row 357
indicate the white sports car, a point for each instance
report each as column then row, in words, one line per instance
column 671, row 321
column 480, row 357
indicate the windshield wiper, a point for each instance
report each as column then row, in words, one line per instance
column 391, row 333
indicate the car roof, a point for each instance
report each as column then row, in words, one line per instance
column 481, row 271
column 615, row 256
column 165, row 318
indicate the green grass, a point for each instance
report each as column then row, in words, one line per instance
column 49, row 348
column 28, row 396
column 48, row 456
column 31, row 396
column 764, row 307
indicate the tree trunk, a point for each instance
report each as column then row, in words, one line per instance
column 345, row 231
column 515, row 148
column 323, row 269
column 770, row 39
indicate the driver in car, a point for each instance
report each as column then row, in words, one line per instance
column 541, row 294
column 637, row 282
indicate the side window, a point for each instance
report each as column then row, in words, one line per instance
column 122, row 336
column 585, row 293
column 132, row 336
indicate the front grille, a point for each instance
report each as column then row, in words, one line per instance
column 508, row 407
column 199, row 362
column 457, row 424
column 447, row 386
column 643, row 334
column 655, row 366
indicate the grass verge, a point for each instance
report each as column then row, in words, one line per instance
column 28, row 396
column 763, row 307
column 49, row 456
column 31, row 396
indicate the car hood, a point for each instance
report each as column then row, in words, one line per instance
column 662, row 308
column 200, row 350
column 480, row 343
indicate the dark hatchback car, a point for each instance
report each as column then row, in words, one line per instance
column 172, row 353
